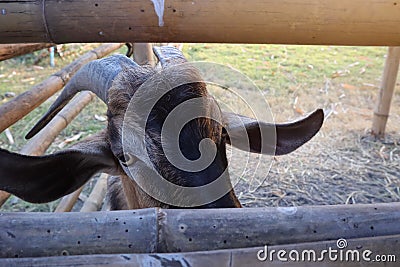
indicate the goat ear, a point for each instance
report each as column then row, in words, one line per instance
column 47, row 178
column 273, row 139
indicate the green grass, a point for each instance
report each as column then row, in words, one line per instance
column 275, row 69
column 281, row 67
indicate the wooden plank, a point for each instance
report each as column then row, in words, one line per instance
column 12, row 50
column 40, row 142
column 159, row 230
column 386, row 91
column 195, row 230
column 15, row 109
column 388, row 246
column 333, row 22
column 53, row 234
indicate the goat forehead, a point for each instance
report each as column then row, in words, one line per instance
column 148, row 85
column 160, row 94
column 161, row 82
column 143, row 106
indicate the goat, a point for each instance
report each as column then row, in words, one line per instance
column 132, row 145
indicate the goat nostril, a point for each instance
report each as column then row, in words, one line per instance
column 127, row 159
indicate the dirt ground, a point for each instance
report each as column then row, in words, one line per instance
column 343, row 164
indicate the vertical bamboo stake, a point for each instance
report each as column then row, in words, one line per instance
column 3, row 197
column 388, row 83
column 67, row 202
column 143, row 54
column 96, row 197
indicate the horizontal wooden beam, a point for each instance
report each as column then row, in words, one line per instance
column 74, row 233
column 387, row 246
column 333, row 22
column 159, row 230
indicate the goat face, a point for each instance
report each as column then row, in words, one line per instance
column 170, row 162
column 162, row 161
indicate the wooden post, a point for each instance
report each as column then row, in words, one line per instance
column 330, row 22
column 143, row 54
column 40, row 142
column 386, row 91
column 12, row 50
column 15, row 109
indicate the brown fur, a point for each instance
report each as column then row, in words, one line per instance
column 124, row 87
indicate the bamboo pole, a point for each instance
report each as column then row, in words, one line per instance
column 194, row 230
column 386, row 91
column 40, row 142
column 333, row 22
column 3, row 197
column 161, row 230
column 67, row 202
column 29, row 234
column 96, row 197
column 143, row 54
column 12, row 50
column 15, row 109
column 382, row 245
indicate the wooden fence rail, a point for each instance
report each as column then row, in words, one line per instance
column 331, row 22
column 387, row 246
column 158, row 230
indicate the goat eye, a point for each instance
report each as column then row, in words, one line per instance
column 127, row 159
column 224, row 133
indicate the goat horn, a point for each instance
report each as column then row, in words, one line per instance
column 96, row 76
column 169, row 55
